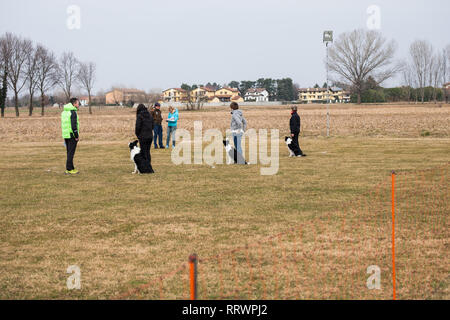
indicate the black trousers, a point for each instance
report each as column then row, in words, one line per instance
column 145, row 149
column 297, row 150
column 71, row 146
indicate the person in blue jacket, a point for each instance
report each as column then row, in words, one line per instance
column 172, row 119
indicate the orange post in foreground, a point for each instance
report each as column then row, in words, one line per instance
column 393, row 234
column 193, row 275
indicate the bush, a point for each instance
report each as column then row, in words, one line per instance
column 425, row 133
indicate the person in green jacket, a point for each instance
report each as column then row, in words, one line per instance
column 70, row 126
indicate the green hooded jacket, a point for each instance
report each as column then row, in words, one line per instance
column 68, row 119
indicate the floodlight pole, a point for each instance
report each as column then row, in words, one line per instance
column 328, row 98
column 327, row 38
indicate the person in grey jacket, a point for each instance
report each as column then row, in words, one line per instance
column 238, row 126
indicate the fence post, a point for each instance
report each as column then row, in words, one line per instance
column 393, row 234
column 193, row 275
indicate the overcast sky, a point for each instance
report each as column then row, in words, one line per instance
column 160, row 44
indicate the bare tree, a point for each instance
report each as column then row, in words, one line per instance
column 116, row 94
column 194, row 102
column 20, row 49
column 47, row 72
column 86, row 77
column 5, row 55
column 445, row 64
column 421, row 52
column 361, row 54
column 447, row 53
column 67, row 73
column 60, row 98
column 408, row 79
column 101, row 97
column 436, row 73
column 31, row 71
column 154, row 95
column 446, row 70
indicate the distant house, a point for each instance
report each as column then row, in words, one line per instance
column 320, row 95
column 447, row 91
column 237, row 99
column 124, row 96
column 227, row 94
column 84, row 100
column 203, row 94
column 257, row 95
column 175, row 95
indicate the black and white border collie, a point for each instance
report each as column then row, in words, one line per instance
column 140, row 164
column 232, row 155
column 288, row 141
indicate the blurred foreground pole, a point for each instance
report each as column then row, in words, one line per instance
column 193, row 275
column 393, row 234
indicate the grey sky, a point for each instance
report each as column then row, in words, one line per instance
column 160, row 44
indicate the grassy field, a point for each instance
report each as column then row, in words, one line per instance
column 330, row 210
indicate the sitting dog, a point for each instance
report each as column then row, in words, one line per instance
column 141, row 165
column 232, row 155
column 288, row 141
column 291, row 148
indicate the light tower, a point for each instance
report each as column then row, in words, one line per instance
column 328, row 38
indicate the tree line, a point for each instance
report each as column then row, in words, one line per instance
column 374, row 93
column 359, row 61
column 25, row 65
column 362, row 60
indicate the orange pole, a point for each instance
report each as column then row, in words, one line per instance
column 393, row 234
column 193, row 275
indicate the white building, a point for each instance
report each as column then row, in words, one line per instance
column 256, row 95
column 84, row 100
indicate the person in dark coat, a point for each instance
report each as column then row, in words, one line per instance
column 157, row 128
column 144, row 130
column 294, row 125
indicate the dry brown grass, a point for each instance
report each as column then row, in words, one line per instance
column 332, row 217
column 108, row 124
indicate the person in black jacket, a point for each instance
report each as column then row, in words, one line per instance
column 144, row 130
column 294, row 125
